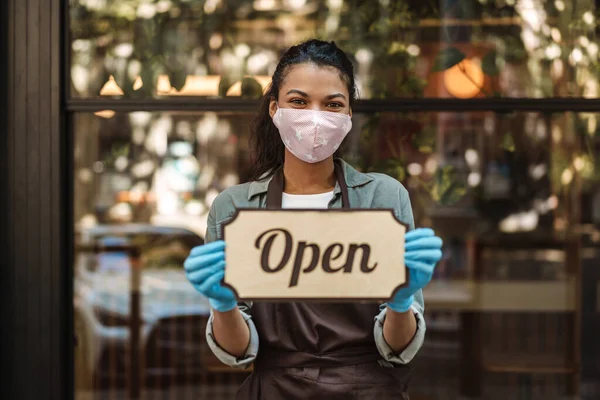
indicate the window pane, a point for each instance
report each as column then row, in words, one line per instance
column 516, row 198
column 144, row 183
column 408, row 48
column 507, row 173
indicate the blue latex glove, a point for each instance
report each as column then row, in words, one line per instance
column 423, row 250
column 205, row 269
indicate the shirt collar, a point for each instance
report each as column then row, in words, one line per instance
column 352, row 176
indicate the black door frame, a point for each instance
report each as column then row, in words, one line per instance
column 36, row 187
column 34, row 203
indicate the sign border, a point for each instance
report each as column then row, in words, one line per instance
column 312, row 299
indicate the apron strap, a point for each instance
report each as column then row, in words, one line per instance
column 339, row 175
column 275, row 189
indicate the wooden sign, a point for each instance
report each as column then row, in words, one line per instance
column 314, row 254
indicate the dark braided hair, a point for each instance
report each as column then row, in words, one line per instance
column 266, row 143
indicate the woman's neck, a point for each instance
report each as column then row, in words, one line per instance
column 305, row 178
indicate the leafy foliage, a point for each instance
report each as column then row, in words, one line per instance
column 447, row 187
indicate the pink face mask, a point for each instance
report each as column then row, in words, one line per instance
column 311, row 135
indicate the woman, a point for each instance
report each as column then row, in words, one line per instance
column 313, row 350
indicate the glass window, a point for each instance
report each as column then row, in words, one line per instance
column 506, row 172
column 144, row 183
column 218, row 48
column 156, row 167
column 507, row 192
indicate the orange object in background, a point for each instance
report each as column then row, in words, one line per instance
column 464, row 80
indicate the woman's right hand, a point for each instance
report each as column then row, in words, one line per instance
column 205, row 269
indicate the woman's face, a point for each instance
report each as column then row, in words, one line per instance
column 310, row 87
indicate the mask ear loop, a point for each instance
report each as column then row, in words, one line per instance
column 276, row 112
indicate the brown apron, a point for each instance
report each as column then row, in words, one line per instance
column 319, row 350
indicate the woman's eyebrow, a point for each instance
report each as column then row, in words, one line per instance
column 333, row 96
column 300, row 92
column 328, row 97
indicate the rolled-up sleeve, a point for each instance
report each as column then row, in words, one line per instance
column 225, row 357
column 222, row 355
column 403, row 211
column 406, row 355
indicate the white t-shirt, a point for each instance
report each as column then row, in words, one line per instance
column 310, row 201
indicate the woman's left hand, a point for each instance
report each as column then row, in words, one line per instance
column 423, row 250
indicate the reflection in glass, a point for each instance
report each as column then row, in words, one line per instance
column 515, row 197
column 217, row 48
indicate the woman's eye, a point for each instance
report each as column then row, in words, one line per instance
column 335, row 105
column 298, row 101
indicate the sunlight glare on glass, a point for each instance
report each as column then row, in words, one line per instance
column 566, row 177
column 415, row 169
column 556, row 35
column 552, row 202
column 538, row 171
column 146, row 11
column 509, row 224
column 95, row 4
column 180, row 149
column 121, row 212
column 124, row 50
column 264, row 5
column 364, row 56
column 210, row 6
column 210, row 197
column 79, row 77
column 163, row 6
column 576, row 56
column 579, row 163
column 81, row 45
column 295, row 4
column 85, row 175
column 206, row 128
column 413, row 50
column 332, row 23
column 335, row 5
column 195, row 207
column 431, row 165
column 88, row 221
column 98, row 167
column 474, row 179
column 528, row 220
column 138, row 135
column 560, row 5
column 257, row 62
column 143, row 169
column 167, row 203
column 133, row 69
column 140, row 118
column 592, row 49
column 121, row 163
column 230, row 180
column 242, row 50
column 216, row 41
column 553, row 51
column 558, row 68
column 472, row 157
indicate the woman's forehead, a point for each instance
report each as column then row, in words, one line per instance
column 313, row 79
